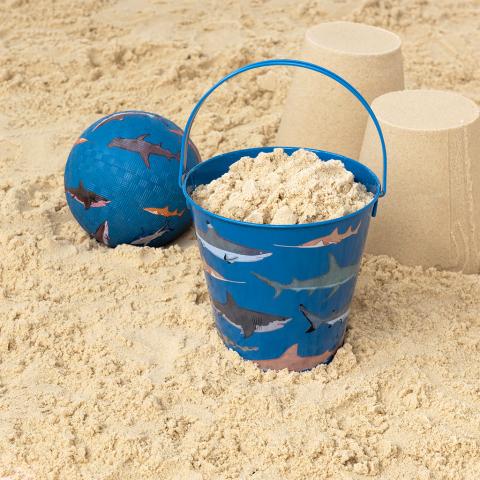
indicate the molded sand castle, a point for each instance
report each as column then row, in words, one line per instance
column 110, row 365
column 433, row 215
column 318, row 113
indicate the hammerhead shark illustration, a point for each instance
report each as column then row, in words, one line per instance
column 86, row 197
column 248, row 321
column 334, row 278
column 101, row 234
column 165, row 212
column 316, row 320
column 143, row 148
column 226, row 250
column 120, row 116
column 330, row 239
column 144, row 241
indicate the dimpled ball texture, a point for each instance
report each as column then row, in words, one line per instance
column 121, row 180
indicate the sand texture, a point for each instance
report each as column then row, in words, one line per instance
column 110, row 366
column 282, row 189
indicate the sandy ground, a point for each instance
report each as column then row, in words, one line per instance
column 110, row 367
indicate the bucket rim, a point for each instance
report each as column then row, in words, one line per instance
column 335, row 156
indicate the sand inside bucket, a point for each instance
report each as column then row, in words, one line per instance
column 282, row 189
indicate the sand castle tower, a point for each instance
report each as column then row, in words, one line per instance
column 321, row 114
column 431, row 214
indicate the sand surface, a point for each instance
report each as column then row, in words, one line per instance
column 110, row 367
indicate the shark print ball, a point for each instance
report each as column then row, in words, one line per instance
column 121, row 180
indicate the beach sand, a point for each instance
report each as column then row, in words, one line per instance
column 110, row 366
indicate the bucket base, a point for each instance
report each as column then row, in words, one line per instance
column 293, row 362
column 290, row 359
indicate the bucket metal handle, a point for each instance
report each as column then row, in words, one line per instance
column 288, row 63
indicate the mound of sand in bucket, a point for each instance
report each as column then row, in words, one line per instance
column 320, row 114
column 282, row 189
column 432, row 214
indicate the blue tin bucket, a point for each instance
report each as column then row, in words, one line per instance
column 281, row 294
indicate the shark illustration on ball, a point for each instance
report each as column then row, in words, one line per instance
column 172, row 128
column 248, row 321
column 79, row 141
column 86, row 197
column 102, row 233
column 165, row 212
column 143, row 148
column 120, row 116
column 226, row 250
column 146, row 240
column 334, row 278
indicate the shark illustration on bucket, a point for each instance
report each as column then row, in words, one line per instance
column 334, row 278
column 248, row 321
column 291, row 360
column 143, row 148
column 316, row 320
column 214, row 274
column 333, row 238
column 231, row 344
column 226, row 250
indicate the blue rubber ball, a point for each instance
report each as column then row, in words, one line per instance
column 121, row 180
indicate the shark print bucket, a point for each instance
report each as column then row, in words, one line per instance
column 281, row 294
